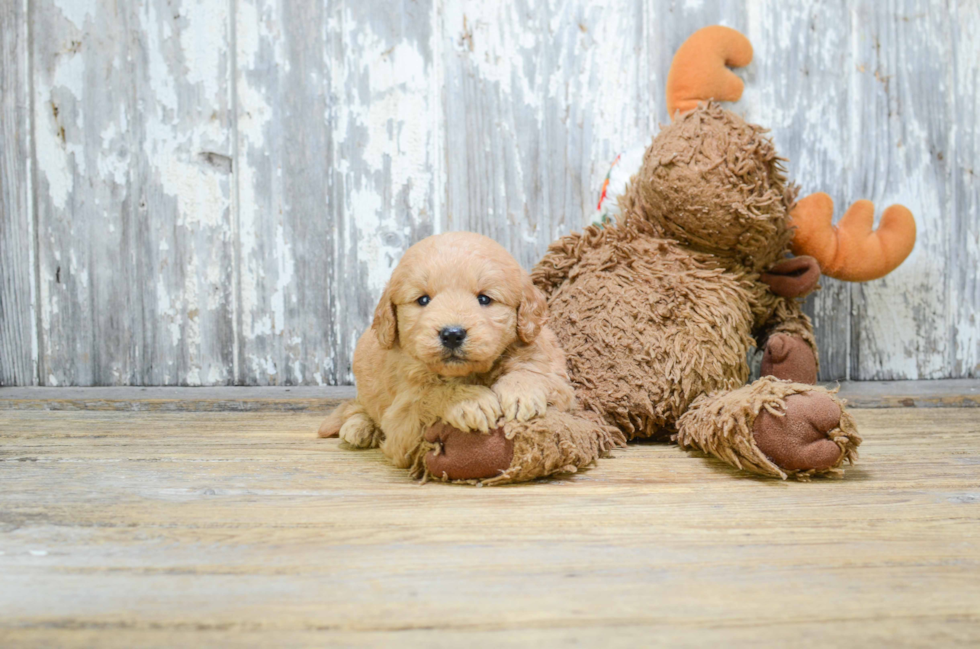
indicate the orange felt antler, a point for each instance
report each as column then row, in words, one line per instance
column 698, row 72
column 852, row 250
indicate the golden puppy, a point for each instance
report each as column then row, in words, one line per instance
column 458, row 336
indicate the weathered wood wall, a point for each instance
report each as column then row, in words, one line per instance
column 215, row 191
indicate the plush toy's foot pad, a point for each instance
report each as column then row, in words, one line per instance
column 797, row 440
column 789, row 358
column 556, row 442
column 460, row 455
column 773, row 428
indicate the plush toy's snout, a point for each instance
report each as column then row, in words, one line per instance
column 793, row 277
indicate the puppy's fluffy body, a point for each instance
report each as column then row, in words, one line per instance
column 509, row 366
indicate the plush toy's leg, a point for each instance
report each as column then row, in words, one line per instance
column 556, row 442
column 773, row 428
column 790, row 348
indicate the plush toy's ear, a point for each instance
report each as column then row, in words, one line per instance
column 385, row 323
column 531, row 312
column 852, row 250
column 698, row 71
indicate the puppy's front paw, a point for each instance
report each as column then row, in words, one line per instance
column 521, row 404
column 478, row 413
column 360, row 432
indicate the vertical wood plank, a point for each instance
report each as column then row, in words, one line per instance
column 339, row 132
column 84, row 194
column 18, row 333
column 964, row 251
column 539, row 97
column 134, row 157
column 388, row 187
column 900, row 145
column 283, row 86
column 183, row 256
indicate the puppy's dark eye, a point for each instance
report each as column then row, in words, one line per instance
column 483, row 299
column 425, row 299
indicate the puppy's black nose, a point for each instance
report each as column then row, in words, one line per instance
column 452, row 336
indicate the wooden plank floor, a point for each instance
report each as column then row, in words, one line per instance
column 238, row 528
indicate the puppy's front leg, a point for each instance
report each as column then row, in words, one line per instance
column 467, row 407
column 523, row 394
column 403, row 427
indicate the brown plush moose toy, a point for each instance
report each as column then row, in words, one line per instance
column 657, row 311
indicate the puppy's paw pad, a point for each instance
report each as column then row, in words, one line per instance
column 360, row 433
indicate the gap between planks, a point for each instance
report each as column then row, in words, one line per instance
column 949, row 393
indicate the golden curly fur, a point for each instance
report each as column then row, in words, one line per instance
column 508, row 367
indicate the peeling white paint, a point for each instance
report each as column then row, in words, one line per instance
column 284, row 279
column 77, row 11
column 57, row 140
column 396, row 138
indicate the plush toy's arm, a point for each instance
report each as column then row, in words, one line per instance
column 787, row 318
column 790, row 349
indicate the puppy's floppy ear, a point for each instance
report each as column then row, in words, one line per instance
column 385, row 323
column 531, row 312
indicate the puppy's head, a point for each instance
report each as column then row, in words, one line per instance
column 456, row 301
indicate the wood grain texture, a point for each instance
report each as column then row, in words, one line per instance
column 18, row 333
column 223, row 188
column 222, row 528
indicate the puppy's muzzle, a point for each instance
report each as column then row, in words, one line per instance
column 452, row 337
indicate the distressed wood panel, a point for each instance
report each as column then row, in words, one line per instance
column 964, row 213
column 223, row 188
column 242, row 529
column 540, row 96
column 285, row 161
column 18, row 333
column 338, row 145
column 900, row 326
column 131, row 111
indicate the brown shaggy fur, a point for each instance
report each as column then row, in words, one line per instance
column 660, row 309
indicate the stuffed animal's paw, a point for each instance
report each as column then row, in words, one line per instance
column 801, row 439
column 467, row 456
column 521, row 402
column 789, row 358
column 480, row 412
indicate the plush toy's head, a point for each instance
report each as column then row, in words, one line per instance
column 714, row 183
